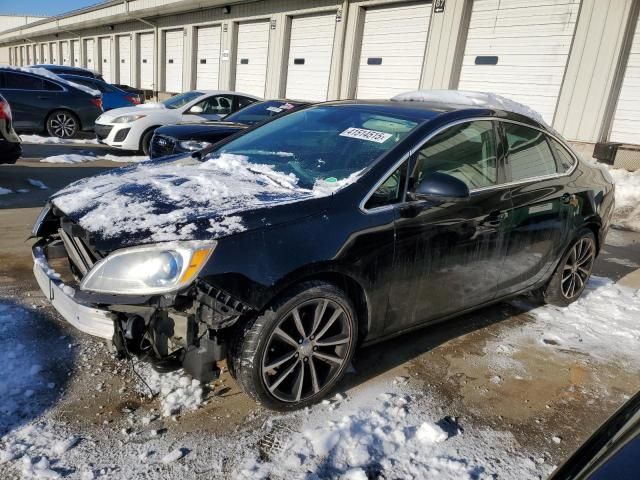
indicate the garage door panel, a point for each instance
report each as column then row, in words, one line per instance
column 146, row 61
column 124, row 59
column 394, row 41
column 66, row 57
column 105, row 59
column 208, row 57
column 310, row 51
column 90, row 61
column 251, row 57
column 75, row 53
column 532, row 42
column 626, row 119
column 174, row 54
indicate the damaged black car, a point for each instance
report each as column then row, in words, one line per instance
column 285, row 249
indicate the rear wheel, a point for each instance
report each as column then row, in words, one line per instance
column 295, row 353
column 570, row 279
column 62, row 124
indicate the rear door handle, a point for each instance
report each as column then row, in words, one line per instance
column 41, row 97
column 495, row 218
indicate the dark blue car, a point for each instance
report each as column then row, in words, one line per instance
column 112, row 97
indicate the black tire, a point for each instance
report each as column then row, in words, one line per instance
column 256, row 343
column 571, row 276
column 145, row 141
column 62, row 124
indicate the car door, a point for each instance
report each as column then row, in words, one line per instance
column 542, row 208
column 448, row 255
column 214, row 108
column 26, row 96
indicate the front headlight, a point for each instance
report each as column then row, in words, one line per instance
column 193, row 145
column 149, row 269
column 128, row 118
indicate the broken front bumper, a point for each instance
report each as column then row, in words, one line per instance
column 86, row 318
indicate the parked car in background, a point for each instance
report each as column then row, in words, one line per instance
column 43, row 102
column 132, row 128
column 10, row 146
column 611, row 453
column 190, row 137
column 342, row 224
column 69, row 70
column 88, row 73
column 112, row 97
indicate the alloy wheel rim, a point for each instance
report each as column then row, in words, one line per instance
column 307, row 350
column 63, row 125
column 577, row 268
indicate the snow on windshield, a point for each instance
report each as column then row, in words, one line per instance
column 135, row 200
column 43, row 72
column 472, row 99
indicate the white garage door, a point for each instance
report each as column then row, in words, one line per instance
column 23, row 56
column 64, row 53
column 54, row 53
column 626, row 121
column 124, row 59
column 105, row 59
column 89, row 54
column 174, row 52
column 146, row 61
column 251, row 61
column 36, row 54
column 208, row 57
column 520, row 50
column 394, row 41
column 75, row 53
column 44, row 53
column 310, row 52
column 29, row 51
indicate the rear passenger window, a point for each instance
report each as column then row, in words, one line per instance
column 51, row 87
column 529, row 152
column 564, row 158
column 18, row 81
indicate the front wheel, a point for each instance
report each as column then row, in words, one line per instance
column 294, row 354
column 62, row 124
column 145, row 142
column 570, row 278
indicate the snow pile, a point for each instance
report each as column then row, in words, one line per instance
column 46, row 73
column 471, row 99
column 77, row 158
column 627, row 210
column 37, row 139
column 386, row 435
column 164, row 200
column 37, row 183
column 5, row 191
column 178, row 392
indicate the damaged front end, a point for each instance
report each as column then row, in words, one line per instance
column 147, row 300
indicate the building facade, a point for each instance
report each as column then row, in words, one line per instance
column 575, row 61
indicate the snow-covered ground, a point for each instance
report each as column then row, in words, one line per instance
column 386, row 427
column 38, row 139
column 627, row 212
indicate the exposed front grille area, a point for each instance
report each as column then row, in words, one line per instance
column 161, row 146
column 102, row 131
column 76, row 243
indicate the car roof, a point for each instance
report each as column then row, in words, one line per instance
column 428, row 110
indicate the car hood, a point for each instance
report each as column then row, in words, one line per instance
column 137, row 110
column 182, row 131
column 182, row 198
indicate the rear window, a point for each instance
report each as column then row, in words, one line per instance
column 529, row 152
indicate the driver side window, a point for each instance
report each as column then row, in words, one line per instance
column 466, row 151
column 218, row 105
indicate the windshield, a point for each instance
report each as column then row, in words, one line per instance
column 321, row 143
column 259, row 112
column 182, row 99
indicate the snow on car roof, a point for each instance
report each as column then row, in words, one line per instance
column 471, row 99
column 46, row 73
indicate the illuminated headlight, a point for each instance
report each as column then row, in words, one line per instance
column 128, row 118
column 193, row 145
column 43, row 214
column 149, row 269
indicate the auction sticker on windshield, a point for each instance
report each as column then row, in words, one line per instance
column 365, row 134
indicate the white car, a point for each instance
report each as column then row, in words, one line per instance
column 131, row 128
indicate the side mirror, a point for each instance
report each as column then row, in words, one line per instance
column 442, row 187
column 197, row 109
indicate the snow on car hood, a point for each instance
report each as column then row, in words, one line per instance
column 151, row 105
column 183, row 199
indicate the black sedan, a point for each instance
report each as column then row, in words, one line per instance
column 10, row 144
column 342, row 224
column 190, row 137
column 44, row 102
